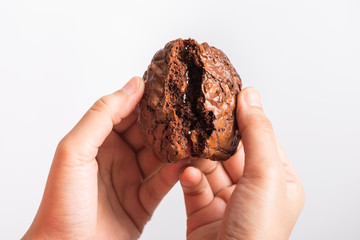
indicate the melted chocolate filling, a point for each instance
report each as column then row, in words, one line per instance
column 188, row 73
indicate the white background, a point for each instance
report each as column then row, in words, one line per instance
column 58, row 57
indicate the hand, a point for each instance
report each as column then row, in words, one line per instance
column 256, row 194
column 103, row 183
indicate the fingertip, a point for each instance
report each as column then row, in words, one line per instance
column 252, row 97
column 249, row 97
column 141, row 83
column 132, row 86
column 190, row 177
column 99, row 120
column 127, row 98
column 249, row 109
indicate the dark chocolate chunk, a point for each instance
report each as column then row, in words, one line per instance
column 188, row 107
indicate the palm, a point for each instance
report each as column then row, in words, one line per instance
column 132, row 182
column 103, row 183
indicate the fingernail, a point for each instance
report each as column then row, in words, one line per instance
column 252, row 98
column 131, row 86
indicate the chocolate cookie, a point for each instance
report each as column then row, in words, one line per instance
column 188, row 107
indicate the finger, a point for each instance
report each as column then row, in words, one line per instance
column 119, row 172
column 261, row 154
column 215, row 174
column 126, row 180
column 294, row 188
column 226, row 193
column 73, row 178
column 287, row 164
column 292, row 178
column 234, row 166
column 197, row 191
column 84, row 139
column 155, row 188
column 210, row 215
column 117, row 164
column 126, row 122
column 133, row 137
column 289, row 169
column 148, row 162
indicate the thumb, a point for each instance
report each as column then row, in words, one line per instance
column 261, row 155
column 70, row 196
column 83, row 141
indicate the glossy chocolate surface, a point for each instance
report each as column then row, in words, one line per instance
column 188, row 107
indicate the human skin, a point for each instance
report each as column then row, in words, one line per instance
column 103, row 182
column 256, row 194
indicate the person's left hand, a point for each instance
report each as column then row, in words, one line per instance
column 103, row 183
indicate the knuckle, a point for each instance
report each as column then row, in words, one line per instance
column 194, row 192
column 261, row 123
column 212, row 168
column 153, row 192
column 63, row 148
column 72, row 154
column 101, row 104
column 164, row 180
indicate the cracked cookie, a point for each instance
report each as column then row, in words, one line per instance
column 189, row 103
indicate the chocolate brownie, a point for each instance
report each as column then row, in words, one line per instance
column 188, row 107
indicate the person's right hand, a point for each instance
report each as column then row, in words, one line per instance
column 104, row 183
column 256, row 194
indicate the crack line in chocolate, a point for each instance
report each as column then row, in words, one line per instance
column 199, row 119
column 188, row 108
column 196, row 124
